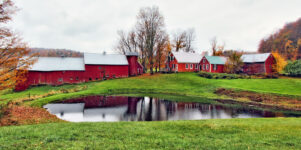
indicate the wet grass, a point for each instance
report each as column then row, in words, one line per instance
column 279, row 133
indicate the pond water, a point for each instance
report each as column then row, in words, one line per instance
column 120, row 108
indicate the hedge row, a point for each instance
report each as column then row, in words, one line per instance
column 223, row 76
column 236, row 76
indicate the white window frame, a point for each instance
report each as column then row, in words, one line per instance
column 203, row 60
column 196, row 66
column 186, row 66
column 207, row 67
column 214, row 67
column 191, row 66
column 204, row 67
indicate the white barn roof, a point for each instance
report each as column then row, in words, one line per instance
column 252, row 58
column 58, row 64
column 185, row 57
column 105, row 59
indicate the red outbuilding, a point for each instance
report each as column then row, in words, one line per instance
column 213, row 64
column 258, row 63
column 183, row 62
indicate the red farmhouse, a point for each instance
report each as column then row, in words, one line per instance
column 61, row 70
column 183, row 62
column 258, row 63
column 213, row 64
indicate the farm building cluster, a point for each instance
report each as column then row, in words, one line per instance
column 193, row 62
column 91, row 67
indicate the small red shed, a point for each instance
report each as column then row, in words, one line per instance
column 258, row 63
column 213, row 64
column 183, row 62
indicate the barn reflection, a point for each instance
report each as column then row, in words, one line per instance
column 121, row 108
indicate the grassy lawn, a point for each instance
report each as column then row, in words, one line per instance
column 276, row 133
column 185, row 84
column 279, row 133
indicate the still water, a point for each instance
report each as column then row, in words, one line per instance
column 120, row 108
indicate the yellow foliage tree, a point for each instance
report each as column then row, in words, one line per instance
column 280, row 62
column 15, row 58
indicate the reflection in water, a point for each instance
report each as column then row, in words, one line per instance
column 119, row 108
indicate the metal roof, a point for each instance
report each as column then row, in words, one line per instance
column 58, row 64
column 131, row 53
column 251, row 58
column 105, row 59
column 219, row 60
column 185, row 57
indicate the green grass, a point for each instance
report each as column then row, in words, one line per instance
column 185, row 84
column 279, row 133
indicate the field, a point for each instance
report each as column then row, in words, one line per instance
column 277, row 133
column 46, row 132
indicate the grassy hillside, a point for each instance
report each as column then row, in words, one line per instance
column 186, row 84
column 277, row 133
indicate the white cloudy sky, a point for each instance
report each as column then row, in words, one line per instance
column 91, row 25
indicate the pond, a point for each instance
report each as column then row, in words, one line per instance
column 121, row 108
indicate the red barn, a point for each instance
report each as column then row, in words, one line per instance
column 61, row 70
column 54, row 71
column 135, row 68
column 213, row 64
column 100, row 66
column 183, row 62
column 258, row 63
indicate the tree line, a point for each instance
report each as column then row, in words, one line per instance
column 151, row 41
column 286, row 41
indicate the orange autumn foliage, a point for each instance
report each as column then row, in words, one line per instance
column 14, row 56
column 280, row 62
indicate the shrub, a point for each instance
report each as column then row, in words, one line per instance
column 293, row 68
column 223, row 76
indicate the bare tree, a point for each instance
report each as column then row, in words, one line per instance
column 179, row 40
column 127, row 42
column 184, row 40
column 213, row 43
column 189, row 40
column 151, row 23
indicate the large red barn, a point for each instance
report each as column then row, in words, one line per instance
column 92, row 67
column 183, row 62
column 258, row 63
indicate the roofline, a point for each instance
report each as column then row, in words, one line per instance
column 109, row 64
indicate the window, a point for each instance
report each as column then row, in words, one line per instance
column 204, row 68
column 191, row 66
column 99, row 68
column 90, row 79
column 60, row 80
column 207, row 67
column 71, row 78
column 196, row 66
column 173, row 66
column 186, row 66
column 214, row 67
column 203, row 60
column 77, row 78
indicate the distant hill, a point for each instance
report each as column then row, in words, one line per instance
column 56, row 52
column 286, row 41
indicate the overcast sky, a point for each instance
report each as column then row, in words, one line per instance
column 91, row 25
